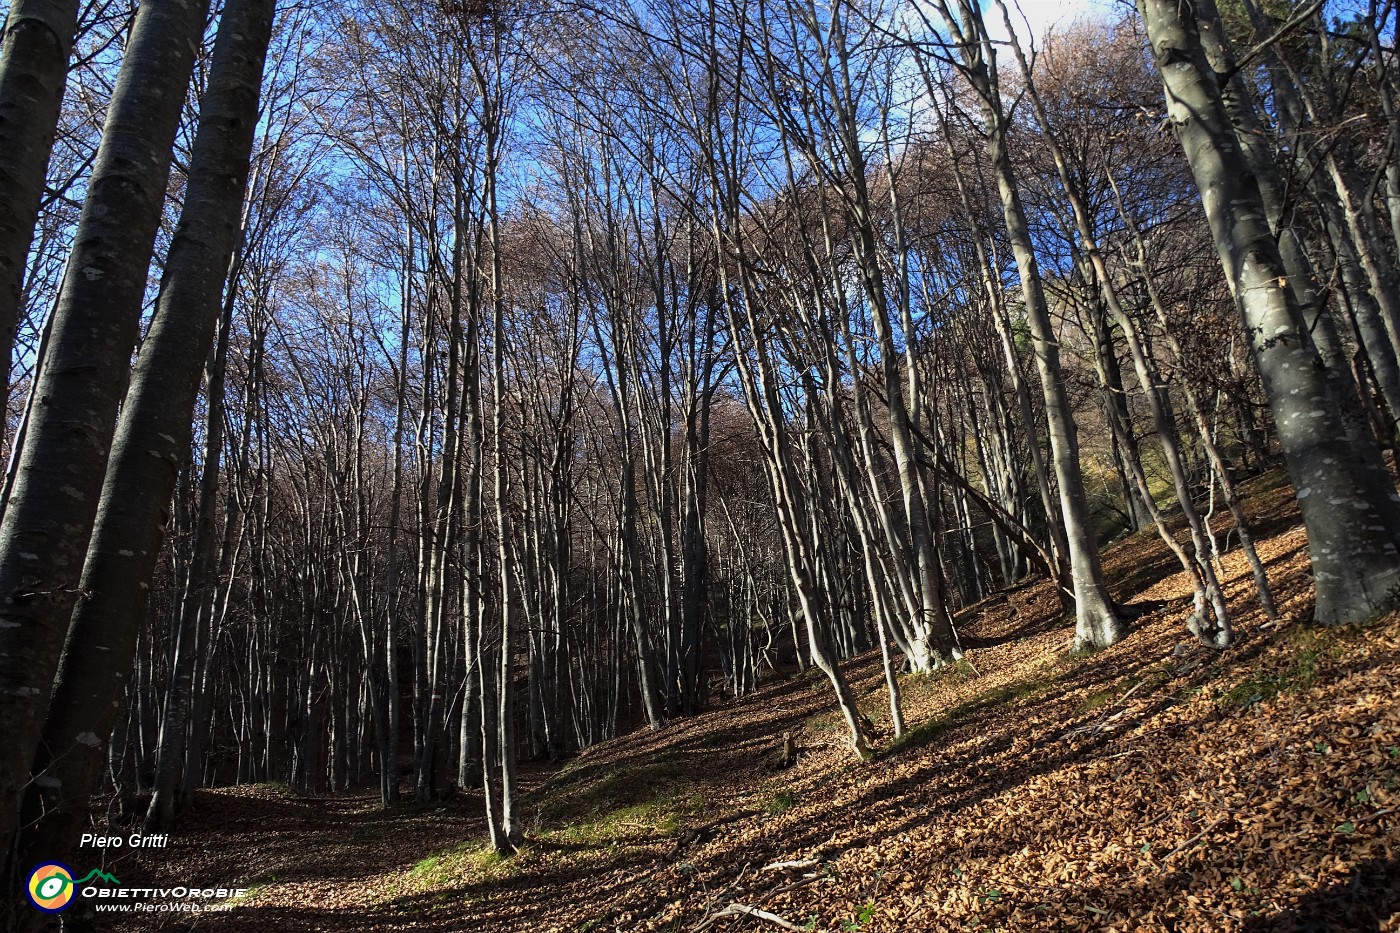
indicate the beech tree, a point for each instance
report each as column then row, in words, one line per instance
column 554, row 371
column 60, row 470
column 1348, row 503
column 155, row 422
column 1098, row 624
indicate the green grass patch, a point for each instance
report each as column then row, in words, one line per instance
column 470, row 860
column 960, row 672
column 780, row 802
column 634, row 824
column 1295, row 666
column 586, row 797
column 874, row 704
column 594, row 812
column 588, row 815
column 252, row 890
column 1305, row 647
column 830, row 721
column 930, row 731
column 1097, row 700
column 917, row 686
column 432, row 871
column 1264, row 687
column 446, row 876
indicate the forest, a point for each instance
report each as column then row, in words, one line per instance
column 410, row 402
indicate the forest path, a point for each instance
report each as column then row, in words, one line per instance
column 1152, row 786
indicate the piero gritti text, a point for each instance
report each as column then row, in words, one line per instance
column 133, row 841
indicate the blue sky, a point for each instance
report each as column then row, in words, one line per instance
column 1043, row 15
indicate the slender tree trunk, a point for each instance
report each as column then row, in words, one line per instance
column 1097, row 624
column 987, row 269
column 1209, row 621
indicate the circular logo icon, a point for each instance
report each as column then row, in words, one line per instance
column 50, row 887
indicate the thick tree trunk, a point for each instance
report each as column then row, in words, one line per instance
column 50, row 512
column 1315, row 323
column 154, row 431
column 1350, row 513
column 37, row 44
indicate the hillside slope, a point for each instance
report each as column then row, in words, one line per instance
column 1153, row 786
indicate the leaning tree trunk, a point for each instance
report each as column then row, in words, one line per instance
column 1210, row 600
column 1348, row 506
column 34, row 57
column 1317, row 325
column 153, row 433
column 1097, row 624
column 50, row 512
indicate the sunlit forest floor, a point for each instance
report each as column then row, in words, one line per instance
column 1154, row 786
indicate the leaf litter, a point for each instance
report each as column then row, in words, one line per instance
column 1156, row 785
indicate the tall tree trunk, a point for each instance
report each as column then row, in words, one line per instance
column 1209, row 600
column 37, row 44
column 155, row 425
column 1097, row 624
column 50, row 512
column 197, row 602
column 1351, row 516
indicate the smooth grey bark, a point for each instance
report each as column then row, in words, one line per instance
column 1057, row 566
column 1368, row 293
column 1213, row 453
column 1096, row 620
column 761, row 396
column 1320, row 97
column 753, row 361
column 511, row 830
column 34, row 54
column 440, row 532
column 473, row 768
column 695, row 570
column 826, row 129
column 152, row 435
column 1351, row 515
column 625, row 391
column 874, row 558
column 1315, row 323
column 203, row 589
column 180, row 743
column 50, row 513
column 1209, row 600
column 1386, row 88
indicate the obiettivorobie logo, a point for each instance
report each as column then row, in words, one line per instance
column 51, row 886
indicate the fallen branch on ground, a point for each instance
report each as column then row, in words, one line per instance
column 1193, row 840
column 796, row 863
column 743, row 910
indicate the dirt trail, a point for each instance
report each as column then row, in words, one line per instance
column 1152, row 786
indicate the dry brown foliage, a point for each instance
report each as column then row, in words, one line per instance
column 1153, row 786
